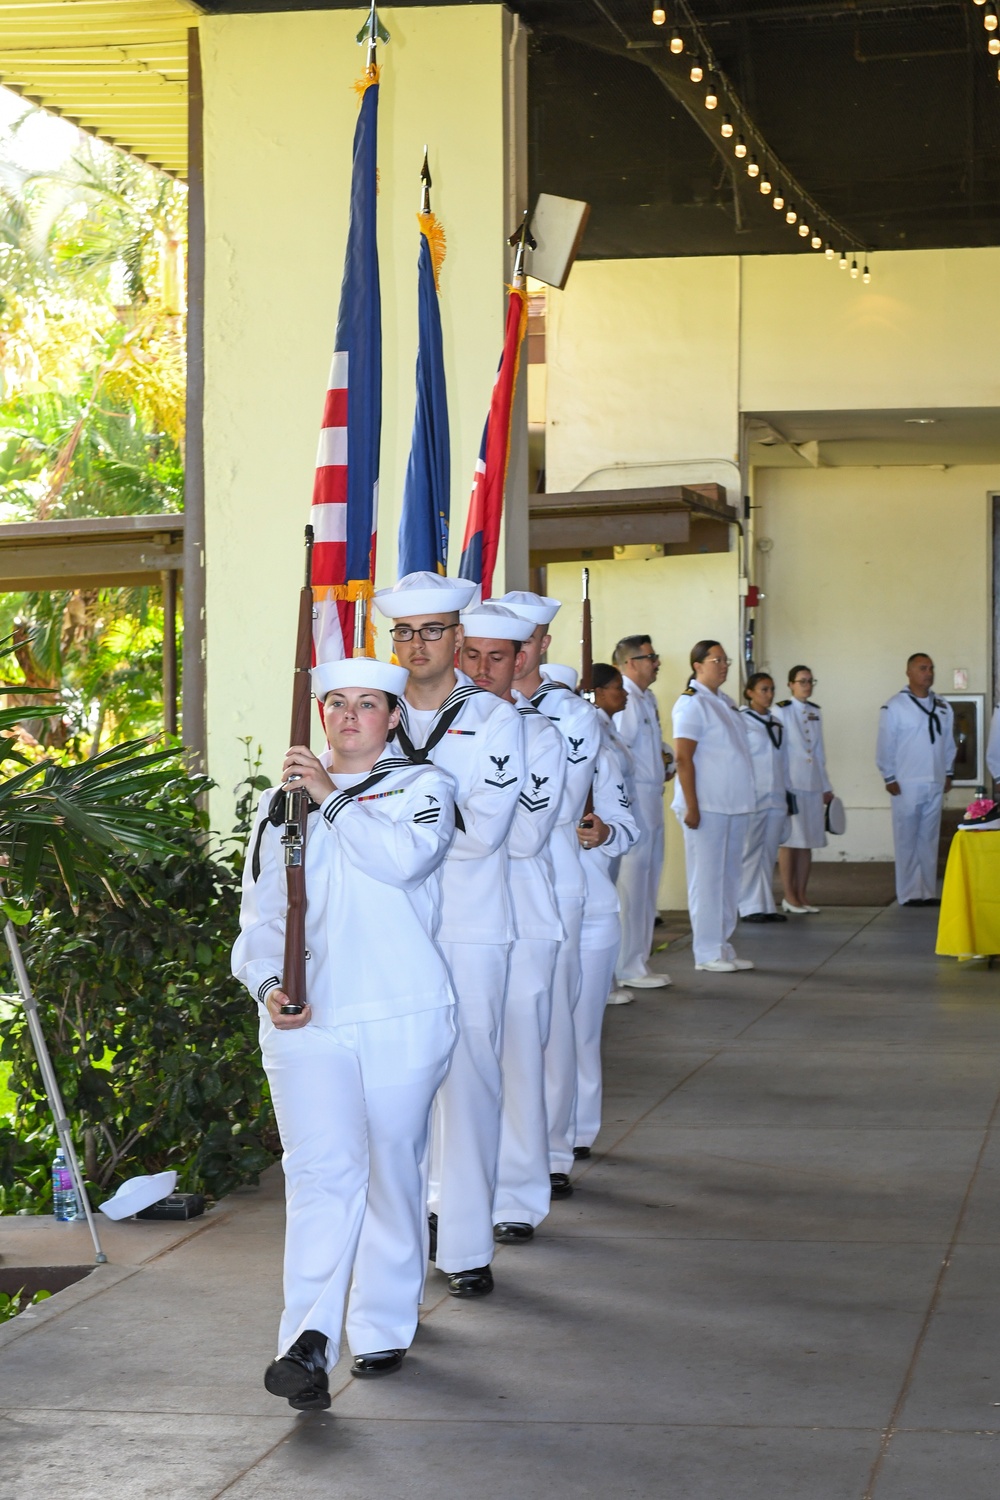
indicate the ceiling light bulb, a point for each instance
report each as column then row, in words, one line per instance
column 803, row 229
column 993, row 45
column 676, row 43
column 659, row 16
column 740, row 148
column 711, row 96
column 727, row 128
column 753, row 167
column 979, row 2
column 778, row 201
column 697, row 71
column 817, row 242
column 854, row 270
column 765, row 184
column 866, row 276
column 990, row 17
column 829, row 252
column 791, row 215
column 843, row 260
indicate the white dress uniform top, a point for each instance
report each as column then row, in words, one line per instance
column 353, row 1089
column 916, row 748
column 993, row 746
column 726, row 798
column 803, row 725
column 600, row 936
column 769, row 819
column 638, row 724
column 482, row 749
column 523, row 1192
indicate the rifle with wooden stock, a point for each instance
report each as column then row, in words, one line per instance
column 293, row 977
column 587, row 665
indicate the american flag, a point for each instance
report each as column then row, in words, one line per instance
column 345, row 494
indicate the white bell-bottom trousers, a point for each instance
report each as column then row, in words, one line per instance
column 522, row 1195
column 599, row 949
column 713, row 854
column 639, row 884
column 560, row 1050
column 916, row 830
column 764, row 832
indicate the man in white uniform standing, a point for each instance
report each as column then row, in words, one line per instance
column 915, row 754
column 478, row 740
column 638, row 724
column 492, row 650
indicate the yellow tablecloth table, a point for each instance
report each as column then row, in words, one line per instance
column 970, row 902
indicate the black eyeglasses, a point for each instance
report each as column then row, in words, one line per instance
column 404, row 633
column 647, row 656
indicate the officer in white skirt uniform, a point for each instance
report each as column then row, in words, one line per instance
column 769, row 820
column 478, row 740
column 639, row 876
column 713, row 802
column 491, row 653
column 577, row 722
column 354, row 1074
column 915, row 755
column 810, row 787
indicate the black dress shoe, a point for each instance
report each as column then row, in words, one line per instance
column 513, row 1234
column 561, row 1185
column 755, row 916
column 300, row 1376
column 913, row 903
column 776, row 916
column 369, row 1366
column 931, row 901
column 581, row 1153
column 475, row 1283
column 432, row 1221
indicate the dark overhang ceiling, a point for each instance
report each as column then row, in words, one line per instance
column 887, row 114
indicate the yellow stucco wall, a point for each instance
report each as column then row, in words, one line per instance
column 279, row 119
column 866, row 567
column 676, row 600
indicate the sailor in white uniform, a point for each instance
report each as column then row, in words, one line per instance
column 810, row 787
column 915, row 755
column 478, row 740
column 638, row 724
column 993, row 746
column 769, row 820
column 604, row 836
column 610, row 699
column 577, row 722
column 491, row 653
column 352, row 1076
column 713, row 802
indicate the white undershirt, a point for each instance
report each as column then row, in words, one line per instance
column 419, row 721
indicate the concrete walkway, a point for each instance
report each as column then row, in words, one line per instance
column 779, row 1278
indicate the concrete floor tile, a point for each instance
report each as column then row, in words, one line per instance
column 875, row 1185
column 940, row 1466
column 562, row 1461
column 118, row 1456
column 956, row 1383
column 981, row 1224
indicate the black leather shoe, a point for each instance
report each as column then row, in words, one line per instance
column 432, row 1220
column 561, row 1185
column 776, row 916
column 581, row 1153
column 369, row 1366
column 931, row 901
column 300, row 1376
column 513, row 1234
column 913, row 903
column 755, row 916
column 475, row 1283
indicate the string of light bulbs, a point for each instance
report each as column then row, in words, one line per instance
column 991, row 22
column 801, row 212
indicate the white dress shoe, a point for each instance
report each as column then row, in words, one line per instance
column 620, row 997
column 798, row 911
column 810, row 908
column 742, row 963
column 721, row 966
column 647, row 982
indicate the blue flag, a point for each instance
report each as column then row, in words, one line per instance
column 423, row 525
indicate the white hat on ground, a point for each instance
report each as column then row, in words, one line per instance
column 359, row 672
column 534, row 607
column 139, row 1193
column 495, row 622
column 424, row 594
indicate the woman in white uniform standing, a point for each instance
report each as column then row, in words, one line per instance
column 809, row 784
column 769, row 820
column 713, row 802
column 354, row 1074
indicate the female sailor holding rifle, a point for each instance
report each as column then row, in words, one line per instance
column 354, row 1074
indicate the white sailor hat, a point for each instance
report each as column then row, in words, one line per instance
column 555, row 671
column 495, row 622
column 534, row 607
column 424, row 594
column 358, row 672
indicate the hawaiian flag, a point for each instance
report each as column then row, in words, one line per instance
column 482, row 529
column 345, row 494
column 423, row 524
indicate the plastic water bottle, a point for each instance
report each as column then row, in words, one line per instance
column 64, row 1204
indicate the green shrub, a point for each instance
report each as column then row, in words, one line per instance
column 153, row 1042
